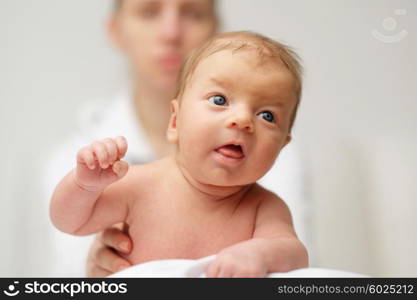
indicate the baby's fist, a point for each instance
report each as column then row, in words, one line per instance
column 99, row 164
column 240, row 260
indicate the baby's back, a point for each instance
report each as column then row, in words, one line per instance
column 169, row 221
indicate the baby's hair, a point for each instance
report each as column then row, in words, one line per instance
column 267, row 49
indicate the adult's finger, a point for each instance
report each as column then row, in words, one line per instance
column 117, row 239
column 108, row 260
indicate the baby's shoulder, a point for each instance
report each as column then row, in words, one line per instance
column 145, row 173
column 149, row 173
column 263, row 194
column 136, row 183
column 271, row 204
column 267, row 200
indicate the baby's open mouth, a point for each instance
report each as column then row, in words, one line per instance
column 231, row 151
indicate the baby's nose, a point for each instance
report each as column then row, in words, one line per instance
column 241, row 121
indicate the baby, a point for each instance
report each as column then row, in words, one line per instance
column 233, row 114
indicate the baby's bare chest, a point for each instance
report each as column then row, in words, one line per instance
column 163, row 230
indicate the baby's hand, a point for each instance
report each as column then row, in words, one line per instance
column 99, row 164
column 240, row 260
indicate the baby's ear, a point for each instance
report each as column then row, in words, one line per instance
column 172, row 133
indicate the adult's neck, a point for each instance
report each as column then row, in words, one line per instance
column 152, row 109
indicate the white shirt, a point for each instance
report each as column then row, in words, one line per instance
column 98, row 120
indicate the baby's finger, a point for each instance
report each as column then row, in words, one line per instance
column 121, row 146
column 100, row 152
column 108, row 260
column 212, row 270
column 95, row 271
column 112, row 151
column 225, row 272
column 85, row 155
column 117, row 239
column 120, row 167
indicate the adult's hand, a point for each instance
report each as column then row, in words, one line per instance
column 104, row 257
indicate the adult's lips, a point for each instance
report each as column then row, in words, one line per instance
column 170, row 61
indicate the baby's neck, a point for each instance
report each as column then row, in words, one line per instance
column 206, row 196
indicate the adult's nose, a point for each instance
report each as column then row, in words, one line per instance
column 171, row 27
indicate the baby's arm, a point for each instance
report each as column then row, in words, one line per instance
column 83, row 202
column 273, row 248
column 276, row 238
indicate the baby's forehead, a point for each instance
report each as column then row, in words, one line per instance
column 265, row 86
column 227, row 58
column 227, row 65
column 240, row 60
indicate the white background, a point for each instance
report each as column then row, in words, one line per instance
column 357, row 123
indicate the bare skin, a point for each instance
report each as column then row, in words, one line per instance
column 154, row 37
column 103, row 258
column 233, row 220
column 216, row 207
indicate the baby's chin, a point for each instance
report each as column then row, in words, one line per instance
column 219, row 176
column 227, row 180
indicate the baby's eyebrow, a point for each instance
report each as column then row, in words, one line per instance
column 219, row 82
column 277, row 104
column 266, row 98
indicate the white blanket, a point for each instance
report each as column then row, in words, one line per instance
column 195, row 268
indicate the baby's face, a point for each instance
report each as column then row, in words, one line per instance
column 234, row 118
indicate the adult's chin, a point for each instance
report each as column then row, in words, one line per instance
column 166, row 82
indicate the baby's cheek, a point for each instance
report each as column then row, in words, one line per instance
column 267, row 156
column 192, row 143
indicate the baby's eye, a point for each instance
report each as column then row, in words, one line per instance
column 218, row 100
column 267, row 116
